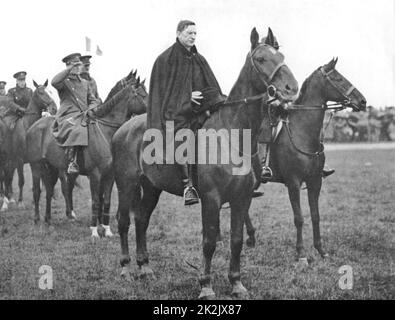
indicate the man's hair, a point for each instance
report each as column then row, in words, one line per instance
column 183, row 24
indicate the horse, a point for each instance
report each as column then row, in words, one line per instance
column 40, row 102
column 140, row 184
column 48, row 162
column 297, row 155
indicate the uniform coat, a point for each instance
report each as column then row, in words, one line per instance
column 76, row 97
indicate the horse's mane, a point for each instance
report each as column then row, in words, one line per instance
column 303, row 89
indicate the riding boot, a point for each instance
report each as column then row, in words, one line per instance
column 71, row 153
column 326, row 172
column 190, row 194
column 267, row 173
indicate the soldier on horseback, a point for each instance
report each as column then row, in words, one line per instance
column 179, row 79
column 20, row 94
column 76, row 97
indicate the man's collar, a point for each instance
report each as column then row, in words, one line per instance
column 185, row 50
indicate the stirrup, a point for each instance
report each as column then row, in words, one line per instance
column 266, row 175
column 190, row 196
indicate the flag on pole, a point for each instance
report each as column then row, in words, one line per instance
column 98, row 51
column 88, row 44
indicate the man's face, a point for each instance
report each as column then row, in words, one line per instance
column 188, row 36
column 76, row 68
column 86, row 68
column 21, row 83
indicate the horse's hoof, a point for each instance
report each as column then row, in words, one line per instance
column 95, row 234
column 107, row 231
column 302, row 264
column 12, row 201
column 145, row 272
column 239, row 292
column 4, row 207
column 250, row 242
column 21, row 205
column 207, row 294
column 73, row 215
column 125, row 274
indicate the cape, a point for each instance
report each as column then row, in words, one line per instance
column 171, row 86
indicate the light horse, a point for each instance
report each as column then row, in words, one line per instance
column 40, row 102
column 297, row 155
column 48, row 162
column 140, row 184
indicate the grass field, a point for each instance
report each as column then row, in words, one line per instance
column 357, row 225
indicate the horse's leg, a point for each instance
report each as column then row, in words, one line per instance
column 94, row 182
column 210, row 221
column 71, row 183
column 65, row 187
column 250, row 231
column 21, row 183
column 313, row 192
column 8, row 175
column 294, row 197
column 49, row 177
column 239, row 210
column 141, row 220
column 36, row 177
column 107, row 184
column 128, row 200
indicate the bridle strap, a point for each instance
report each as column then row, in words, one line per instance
column 270, row 78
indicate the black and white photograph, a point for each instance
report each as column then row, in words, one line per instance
column 197, row 150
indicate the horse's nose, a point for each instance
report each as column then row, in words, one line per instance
column 363, row 102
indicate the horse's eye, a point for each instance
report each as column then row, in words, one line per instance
column 260, row 59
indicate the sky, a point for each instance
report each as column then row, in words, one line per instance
column 38, row 34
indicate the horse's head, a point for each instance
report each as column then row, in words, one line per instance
column 137, row 98
column 268, row 71
column 121, row 84
column 339, row 89
column 42, row 99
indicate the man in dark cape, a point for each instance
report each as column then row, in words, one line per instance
column 179, row 77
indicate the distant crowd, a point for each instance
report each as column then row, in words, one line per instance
column 371, row 126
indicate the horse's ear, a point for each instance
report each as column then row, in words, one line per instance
column 35, row 84
column 335, row 62
column 254, row 38
column 135, row 73
column 46, row 83
column 330, row 65
column 270, row 38
column 142, row 83
column 130, row 75
column 138, row 81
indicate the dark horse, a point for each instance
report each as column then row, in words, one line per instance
column 297, row 155
column 48, row 162
column 140, row 184
column 16, row 140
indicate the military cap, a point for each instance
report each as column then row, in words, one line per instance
column 86, row 59
column 74, row 57
column 21, row 75
column 2, row 84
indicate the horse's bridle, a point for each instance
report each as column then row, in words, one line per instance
column 271, row 89
column 346, row 96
